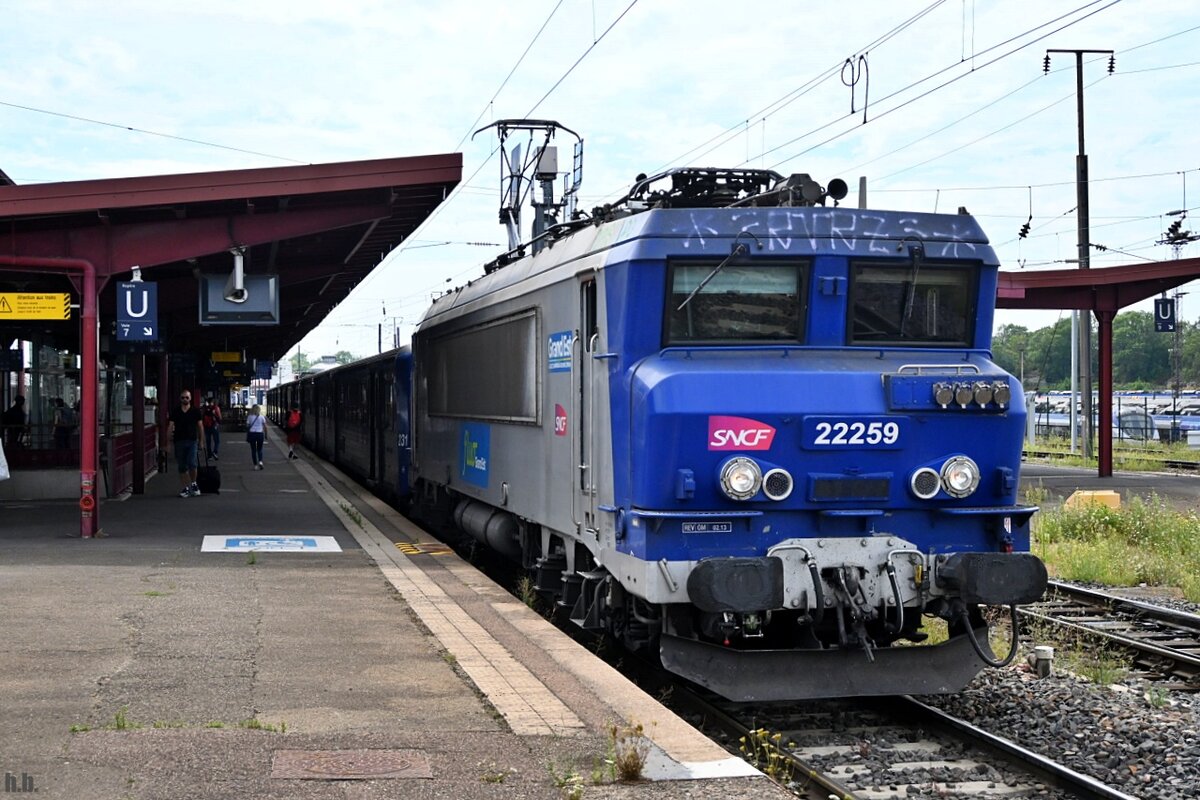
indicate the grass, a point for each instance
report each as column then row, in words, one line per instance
column 254, row 724
column 353, row 513
column 764, row 750
column 1144, row 541
column 526, row 591
column 121, row 721
column 567, row 780
column 628, row 748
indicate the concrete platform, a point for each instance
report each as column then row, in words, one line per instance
column 137, row 666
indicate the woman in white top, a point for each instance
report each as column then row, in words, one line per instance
column 256, row 434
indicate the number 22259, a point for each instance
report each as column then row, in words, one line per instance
column 854, row 433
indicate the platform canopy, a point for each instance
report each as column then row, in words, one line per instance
column 319, row 228
column 1103, row 292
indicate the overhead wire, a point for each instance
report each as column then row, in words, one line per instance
column 1009, row 94
column 579, row 60
column 471, row 129
column 774, row 107
column 403, row 246
column 974, row 70
column 120, row 126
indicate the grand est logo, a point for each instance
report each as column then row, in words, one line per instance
column 739, row 433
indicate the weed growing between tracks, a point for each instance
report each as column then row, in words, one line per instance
column 763, row 750
column 1076, row 652
column 1145, row 541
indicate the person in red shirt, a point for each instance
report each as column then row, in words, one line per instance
column 292, row 428
column 212, row 427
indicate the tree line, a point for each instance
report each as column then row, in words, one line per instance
column 1143, row 359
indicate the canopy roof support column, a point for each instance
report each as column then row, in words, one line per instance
column 89, row 356
column 1105, row 419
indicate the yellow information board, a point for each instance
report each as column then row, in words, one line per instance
column 27, row 305
column 227, row 358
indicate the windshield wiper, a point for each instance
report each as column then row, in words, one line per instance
column 917, row 251
column 739, row 249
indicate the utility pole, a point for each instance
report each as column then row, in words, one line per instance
column 1081, row 193
column 1177, row 238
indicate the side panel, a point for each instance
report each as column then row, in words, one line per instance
column 500, row 446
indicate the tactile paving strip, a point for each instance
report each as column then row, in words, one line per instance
column 341, row 765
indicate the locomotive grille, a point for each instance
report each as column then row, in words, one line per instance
column 926, row 483
column 777, row 484
column 850, row 488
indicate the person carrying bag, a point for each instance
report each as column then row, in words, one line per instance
column 256, row 434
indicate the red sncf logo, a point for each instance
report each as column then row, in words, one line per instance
column 560, row 420
column 739, row 433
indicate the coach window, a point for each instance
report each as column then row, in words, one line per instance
column 736, row 303
column 926, row 305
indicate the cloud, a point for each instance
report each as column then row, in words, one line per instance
column 316, row 82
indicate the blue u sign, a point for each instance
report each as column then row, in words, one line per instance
column 137, row 311
column 1164, row 315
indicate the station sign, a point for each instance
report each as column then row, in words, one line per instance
column 29, row 305
column 137, row 311
column 1164, row 315
column 259, row 305
column 226, row 357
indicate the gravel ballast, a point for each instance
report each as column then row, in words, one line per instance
column 1133, row 735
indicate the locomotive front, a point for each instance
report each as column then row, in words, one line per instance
column 820, row 452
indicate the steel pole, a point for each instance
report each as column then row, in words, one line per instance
column 1085, row 322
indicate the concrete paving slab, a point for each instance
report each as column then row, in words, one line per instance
column 140, row 628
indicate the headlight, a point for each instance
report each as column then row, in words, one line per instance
column 960, row 476
column 984, row 392
column 964, row 393
column 1002, row 393
column 741, row 478
column 943, row 394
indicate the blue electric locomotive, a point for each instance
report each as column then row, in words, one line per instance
column 757, row 435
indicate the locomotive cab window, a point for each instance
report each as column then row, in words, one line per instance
column 912, row 305
column 736, row 303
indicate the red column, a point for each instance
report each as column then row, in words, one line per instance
column 89, row 356
column 139, row 424
column 165, row 389
column 1104, row 423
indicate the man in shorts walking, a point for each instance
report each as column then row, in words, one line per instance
column 186, row 428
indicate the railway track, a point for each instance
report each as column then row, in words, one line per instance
column 1141, row 456
column 1165, row 643
column 894, row 748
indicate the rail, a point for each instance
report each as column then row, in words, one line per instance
column 1143, row 456
column 1165, row 642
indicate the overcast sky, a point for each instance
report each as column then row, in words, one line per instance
column 958, row 110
